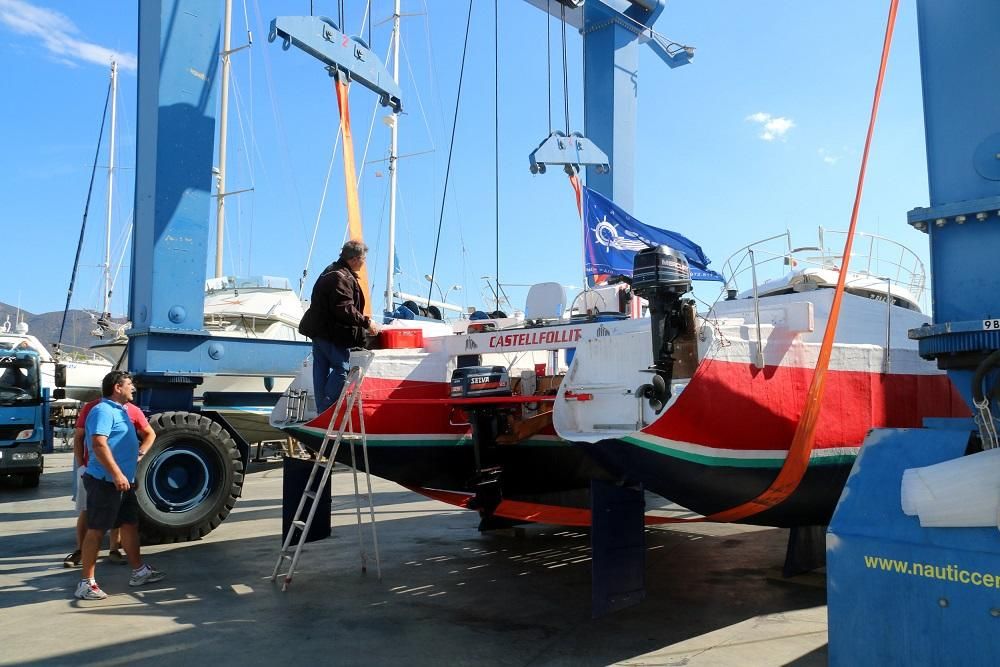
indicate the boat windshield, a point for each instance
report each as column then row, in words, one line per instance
column 878, row 268
column 18, row 380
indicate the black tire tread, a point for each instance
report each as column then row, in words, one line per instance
column 209, row 430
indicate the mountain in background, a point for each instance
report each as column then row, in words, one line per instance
column 45, row 326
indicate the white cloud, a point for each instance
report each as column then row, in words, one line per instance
column 59, row 35
column 772, row 127
column 828, row 157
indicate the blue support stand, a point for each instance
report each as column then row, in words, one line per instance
column 899, row 594
column 618, row 546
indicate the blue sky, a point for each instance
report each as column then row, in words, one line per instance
column 762, row 132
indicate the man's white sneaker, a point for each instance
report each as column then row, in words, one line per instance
column 89, row 591
column 144, row 575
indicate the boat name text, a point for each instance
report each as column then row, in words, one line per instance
column 536, row 338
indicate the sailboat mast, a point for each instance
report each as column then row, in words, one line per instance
column 106, row 308
column 220, row 189
column 393, row 158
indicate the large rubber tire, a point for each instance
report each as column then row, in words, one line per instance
column 31, row 479
column 189, row 480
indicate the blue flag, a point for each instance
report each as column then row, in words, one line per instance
column 614, row 237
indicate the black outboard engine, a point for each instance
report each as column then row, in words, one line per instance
column 661, row 275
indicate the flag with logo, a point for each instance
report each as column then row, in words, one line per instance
column 613, row 237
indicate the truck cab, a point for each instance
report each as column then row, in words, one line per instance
column 24, row 422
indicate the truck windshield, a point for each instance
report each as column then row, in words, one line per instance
column 18, row 379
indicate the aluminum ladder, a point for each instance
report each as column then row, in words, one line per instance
column 339, row 429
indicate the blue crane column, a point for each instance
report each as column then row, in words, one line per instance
column 179, row 43
column 900, row 593
column 191, row 478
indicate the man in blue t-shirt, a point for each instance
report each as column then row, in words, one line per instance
column 110, row 482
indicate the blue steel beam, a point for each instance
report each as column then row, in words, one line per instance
column 169, row 349
column 959, row 62
column 321, row 38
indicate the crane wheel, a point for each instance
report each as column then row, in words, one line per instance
column 189, row 480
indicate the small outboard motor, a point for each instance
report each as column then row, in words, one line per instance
column 661, row 275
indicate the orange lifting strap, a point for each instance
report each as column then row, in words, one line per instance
column 797, row 461
column 351, row 186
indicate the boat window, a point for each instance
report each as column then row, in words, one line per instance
column 882, row 296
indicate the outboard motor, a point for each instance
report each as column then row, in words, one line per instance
column 661, row 275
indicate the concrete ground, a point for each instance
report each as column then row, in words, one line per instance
column 448, row 594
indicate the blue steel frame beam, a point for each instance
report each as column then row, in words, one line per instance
column 959, row 60
column 321, row 38
column 169, row 349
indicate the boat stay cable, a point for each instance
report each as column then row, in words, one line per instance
column 548, row 61
column 496, row 130
column 451, row 146
column 83, row 225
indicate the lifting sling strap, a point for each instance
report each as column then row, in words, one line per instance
column 351, row 186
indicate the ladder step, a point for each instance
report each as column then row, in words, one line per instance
column 299, row 524
column 310, row 494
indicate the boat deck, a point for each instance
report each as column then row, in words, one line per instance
column 449, row 594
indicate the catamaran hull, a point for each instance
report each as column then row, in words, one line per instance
column 706, row 489
column 724, row 435
column 544, row 480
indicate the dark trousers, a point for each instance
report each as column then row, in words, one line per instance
column 330, row 365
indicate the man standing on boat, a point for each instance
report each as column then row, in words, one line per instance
column 336, row 322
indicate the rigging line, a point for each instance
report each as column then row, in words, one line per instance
column 371, row 129
column 565, row 63
column 451, row 147
column 322, row 203
column 496, row 124
column 121, row 256
column 548, row 59
column 282, row 136
column 83, row 226
column 416, row 92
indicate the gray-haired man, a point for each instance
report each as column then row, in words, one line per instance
column 336, row 322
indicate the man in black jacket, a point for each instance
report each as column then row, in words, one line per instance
column 336, row 322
